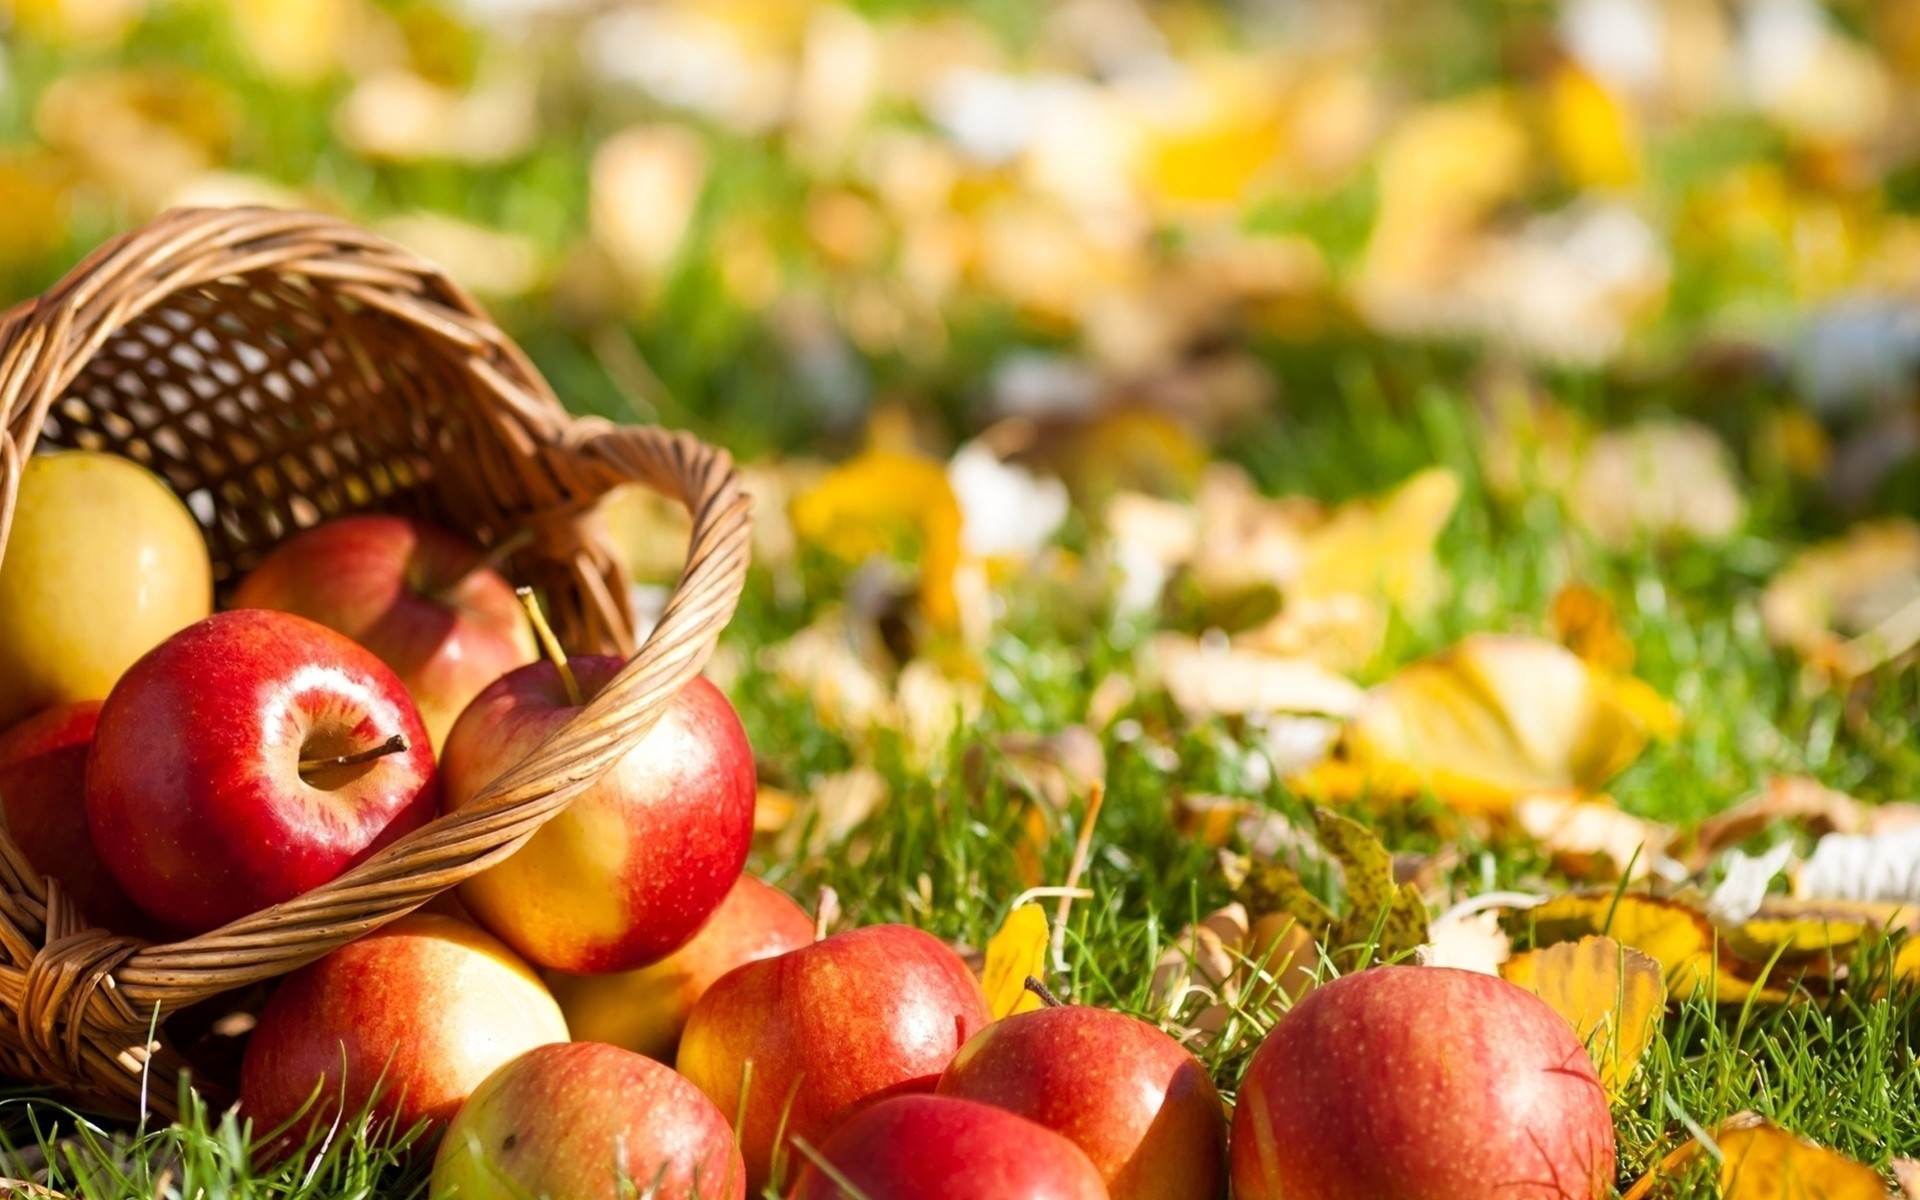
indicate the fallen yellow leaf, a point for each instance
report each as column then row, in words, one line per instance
column 1018, row 949
column 1612, row 995
column 887, row 504
column 1761, row 1161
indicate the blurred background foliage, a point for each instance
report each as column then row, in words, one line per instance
column 760, row 218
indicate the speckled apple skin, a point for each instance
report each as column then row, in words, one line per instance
column 588, row 1121
column 1421, row 1083
column 422, row 1010
column 861, row 1015
column 1141, row 1108
column 942, row 1148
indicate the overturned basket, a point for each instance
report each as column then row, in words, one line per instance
column 276, row 369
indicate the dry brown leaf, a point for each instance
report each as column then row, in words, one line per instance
column 1612, row 995
column 1654, row 479
column 1592, row 839
column 1906, row 1173
column 1847, row 604
column 1468, row 942
column 1761, row 1161
column 1059, row 767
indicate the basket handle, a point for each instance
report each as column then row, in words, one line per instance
column 459, row 845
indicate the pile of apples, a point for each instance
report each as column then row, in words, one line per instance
column 173, row 769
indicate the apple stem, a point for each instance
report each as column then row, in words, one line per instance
column 550, row 644
column 493, row 559
column 1046, row 994
column 397, row 744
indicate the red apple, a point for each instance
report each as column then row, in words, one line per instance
column 1421, row 1083
column 645, row 1010
column 1142, row 1108
column 588, row 1122
column 421, row 598
column 819, row 1031
column 636, row 863
column 941, row 1148
column 420, row 1012
column 215, row 786
column 43, row 792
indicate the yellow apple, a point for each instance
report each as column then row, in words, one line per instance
column 102, row 565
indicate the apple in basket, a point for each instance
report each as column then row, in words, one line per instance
column 417, row 1013
column 426, row 602
column 588, row 1121
column 645, row 1010
column 912, row 1147
column 632, row 867
column 795, row 1044
column 1422, row 1083
column 249, row 758
column 102, row 564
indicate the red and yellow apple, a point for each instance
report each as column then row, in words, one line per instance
column 421, row 598
column 249, row 758
column 796, row 1043
column 419, row 1013
column 1142, row 1109
column 101, row 565
column 43, row 793
column 1421, row 1083
column 916, row 1147
column 629, row 871
column 645, row 1010
column 588, row 1121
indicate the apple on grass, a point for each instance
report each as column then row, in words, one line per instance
column 418, row 1012
column 943, row 1148
column 1421, row 1083
column 43, row 790
column 796, row 1043
column 645, row 1010
column 629, row 871
column 587, row 1121
column 249, row 758
column 424, row 600
column 1138, row 1104
column 102, row 564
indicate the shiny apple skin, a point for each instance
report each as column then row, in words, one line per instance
column 102, row 564
column 944, row 1148
column 845, row 1021
column 645, row 1010
column 629, row 871
column 1138, row 1104
column 194, row 793
column 43, row 792
column 1421, row 1083
column 580, row 1121
column 409, row 592
column 428, row 1004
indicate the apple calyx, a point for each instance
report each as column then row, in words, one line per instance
column 1046, row 994
column 550, row 644
column 397, row 744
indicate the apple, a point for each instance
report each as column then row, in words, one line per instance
column 814, row 1033
column 422, row 599
column 920, row 1147
column 629, row 871
column 1421, row 1083
column 588, row 1122
column 645, row 1010
column 1143, row 1110
column 43, row 789
column 102, row 564
column 419, row 1012
column 247, row 759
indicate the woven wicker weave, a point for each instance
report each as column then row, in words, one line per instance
column 276, row 369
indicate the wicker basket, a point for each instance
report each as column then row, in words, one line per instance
column 279, row 368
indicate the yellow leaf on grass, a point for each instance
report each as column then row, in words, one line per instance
column 1017, row 950
column 1761, row 1161
column 1593, row 132
column 885, row 504
column 1678, row 937
column 1382, row 548
column 1501, row 716
column 1383, row 917
column 1612, row 995
column 1584, row 620
column 1846, row 605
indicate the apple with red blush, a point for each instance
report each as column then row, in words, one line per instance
column 423, row 599
column 251, row 757
column 916, row 1147
column 797, row 1043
